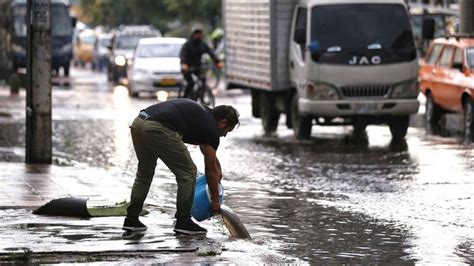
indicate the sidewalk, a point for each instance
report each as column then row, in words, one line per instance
column 30, row 238
column 28, row 186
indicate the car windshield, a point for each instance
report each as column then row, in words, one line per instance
column 89, row 39
column 160, row 50
column 362, row 30
column 60, row 21
column 105, row 42
column 470, row 57
column 129, row 42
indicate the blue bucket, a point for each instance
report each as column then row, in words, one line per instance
column 202, row 199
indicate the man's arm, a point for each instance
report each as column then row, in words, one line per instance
column 211, row 54
column 212, row 174
column 219, row 169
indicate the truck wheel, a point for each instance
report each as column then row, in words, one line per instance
column 14, row 83
column 399, row 126
column 268, row 112
column 302, row 124
column 115, row 77
column 66, row 70
column 359, row 129
column 255, row 103
column 432, row 112
column 468, row 107
column 109, row 74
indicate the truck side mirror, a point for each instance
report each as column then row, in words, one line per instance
column 300, row 36
column 428, row 28
column 458, row 66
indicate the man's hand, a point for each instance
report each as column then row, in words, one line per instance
column 215, row 205
column 185, row 67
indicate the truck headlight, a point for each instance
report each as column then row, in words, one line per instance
column 120, row 60
column 321, row 91
column 406, row 90
column 18, row 49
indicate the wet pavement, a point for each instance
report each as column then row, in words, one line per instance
column 332, row 199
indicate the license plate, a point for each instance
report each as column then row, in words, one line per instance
column 365, row 108
column 168, row 82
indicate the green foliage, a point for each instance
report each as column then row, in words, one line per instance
column 164, row 14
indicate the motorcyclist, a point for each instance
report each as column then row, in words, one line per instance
column 191, row 55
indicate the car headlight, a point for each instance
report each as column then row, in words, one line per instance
column 120, row 60
column 406, row 90
column 321, row 91
column 18, row 49
column 66, row 48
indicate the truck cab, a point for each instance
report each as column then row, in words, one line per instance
column 325, row 62
column 13, row 39
column 353, row 60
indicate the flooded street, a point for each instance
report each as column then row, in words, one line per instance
column 331, row 199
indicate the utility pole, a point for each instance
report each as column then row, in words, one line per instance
column 466, row 8
column 38, row 99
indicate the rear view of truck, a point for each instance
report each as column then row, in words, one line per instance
column 257, row 33
column 328, row 62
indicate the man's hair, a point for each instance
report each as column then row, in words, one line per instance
column 226, row 112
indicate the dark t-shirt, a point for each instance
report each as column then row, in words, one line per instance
column 192, row 120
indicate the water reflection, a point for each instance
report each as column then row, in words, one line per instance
column 122, row 109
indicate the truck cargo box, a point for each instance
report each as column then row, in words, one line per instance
column 256, row 36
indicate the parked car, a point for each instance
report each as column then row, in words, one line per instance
column 123, row 44
column 447, row 79
column 156, row 66
column 101, row 53
column 84, row 47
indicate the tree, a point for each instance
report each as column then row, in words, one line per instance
column 164, row 14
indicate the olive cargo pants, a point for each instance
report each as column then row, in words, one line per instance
column 151, row 141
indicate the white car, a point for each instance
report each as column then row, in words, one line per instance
column 156, row 67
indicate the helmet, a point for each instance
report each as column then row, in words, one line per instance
column 217, row 33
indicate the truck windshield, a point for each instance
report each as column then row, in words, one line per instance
column 347, row 32
column 19, row 24
column 129, row 42
column 470, row 57
column 60, row 21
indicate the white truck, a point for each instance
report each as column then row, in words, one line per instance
column 332, row 62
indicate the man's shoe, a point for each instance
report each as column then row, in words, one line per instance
column 188, row 227
column 133, row 224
